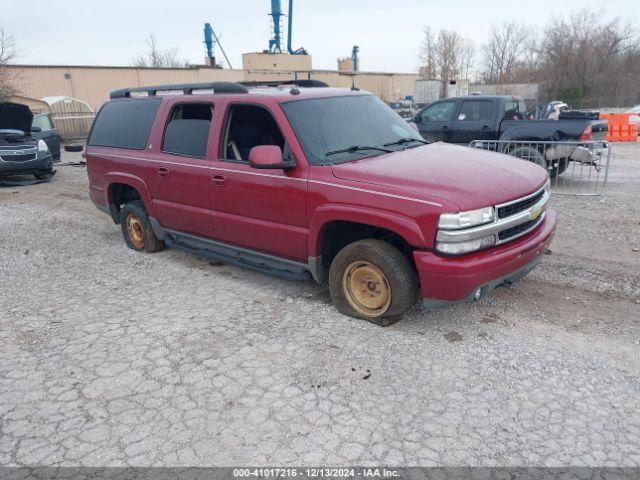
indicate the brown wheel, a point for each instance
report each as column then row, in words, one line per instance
column 136, row 228
column 372, row 280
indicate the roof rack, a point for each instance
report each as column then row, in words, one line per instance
column 186, row 88
column 296, row 83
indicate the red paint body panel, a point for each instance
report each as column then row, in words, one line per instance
column 456, row 278
column 284, row 213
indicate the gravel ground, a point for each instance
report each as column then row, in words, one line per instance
column 111, row 357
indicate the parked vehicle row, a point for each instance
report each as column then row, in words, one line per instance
column 319, row 183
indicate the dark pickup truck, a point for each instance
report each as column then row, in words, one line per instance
column 481, row 117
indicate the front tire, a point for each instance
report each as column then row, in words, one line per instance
column 136, row 229
column 372, row 280
column 44, row 175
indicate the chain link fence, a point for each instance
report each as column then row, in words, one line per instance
column 575, row 168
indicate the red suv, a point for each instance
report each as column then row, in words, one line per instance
column 303, row 181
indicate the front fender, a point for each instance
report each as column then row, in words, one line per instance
column 404, row 226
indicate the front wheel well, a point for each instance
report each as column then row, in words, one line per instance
column 338, row 234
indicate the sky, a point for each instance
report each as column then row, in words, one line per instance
column 112, row 32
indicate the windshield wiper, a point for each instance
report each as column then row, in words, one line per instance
column 357, row 148
column 406, row 140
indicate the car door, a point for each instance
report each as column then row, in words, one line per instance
column 47, row 132
column 180, row 168
column 264, row 210
column 435, row 120
column 475, row 120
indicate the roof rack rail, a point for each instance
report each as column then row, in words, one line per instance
column 296, row 83
column 186, row 88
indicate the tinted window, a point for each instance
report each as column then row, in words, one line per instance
column 475, row 110
column 124, row 123
column 187, row 132
column 440, row 112
column 514, row 109
column 42, row 121
column 325, row 125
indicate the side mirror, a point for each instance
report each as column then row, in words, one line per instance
column 35, row 129
column 268, row 157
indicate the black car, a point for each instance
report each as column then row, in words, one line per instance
column 20, row 152
column 47, row 132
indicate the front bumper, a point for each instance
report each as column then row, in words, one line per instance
column 449, row 280
column 37, row 165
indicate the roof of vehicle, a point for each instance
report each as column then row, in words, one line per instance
column 281, row 92
column 485, row 97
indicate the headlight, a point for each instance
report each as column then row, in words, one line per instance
column 458, row 248
column 42, row 146
column 472, row 218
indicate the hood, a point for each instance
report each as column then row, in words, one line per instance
column 15, row 116
column 467, row 177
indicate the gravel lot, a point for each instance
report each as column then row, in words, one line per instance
column 110, row 357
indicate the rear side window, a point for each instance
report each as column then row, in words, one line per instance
column 187, row 131
column 475, row 110
column 125, row 123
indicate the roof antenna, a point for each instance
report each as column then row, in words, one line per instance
column 353, row 84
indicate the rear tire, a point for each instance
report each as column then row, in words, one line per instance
column 555, row 167
column 372, row 280
column 136, row 228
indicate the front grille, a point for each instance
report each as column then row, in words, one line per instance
column 519, row 206
column 518, row 229
column 18, row 154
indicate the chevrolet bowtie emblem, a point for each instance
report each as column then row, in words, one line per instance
column 534, row 213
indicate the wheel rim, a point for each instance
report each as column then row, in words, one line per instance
column 135, row 230
column 367, row 289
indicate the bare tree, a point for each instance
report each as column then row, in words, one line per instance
column 505, row 52
column 155, row 57
column 590, row 61
column 445, row 56
column 7, row 55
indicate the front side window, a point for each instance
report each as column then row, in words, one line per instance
column 326, row 126
column 249, row 126
column 187, row 131
column 475, row 111
column 440, row 112
column 42, row 121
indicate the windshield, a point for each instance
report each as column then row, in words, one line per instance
column 340, row 129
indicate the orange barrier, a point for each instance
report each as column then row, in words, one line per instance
column 623, row 127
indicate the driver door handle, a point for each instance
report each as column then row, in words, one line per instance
column 219, row 180
column 445, row 127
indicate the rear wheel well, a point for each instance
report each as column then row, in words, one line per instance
column 338, row 234
column 121, row 194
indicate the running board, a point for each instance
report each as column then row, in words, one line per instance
column 241, row 257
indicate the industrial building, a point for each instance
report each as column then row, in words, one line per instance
column 93, row 83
